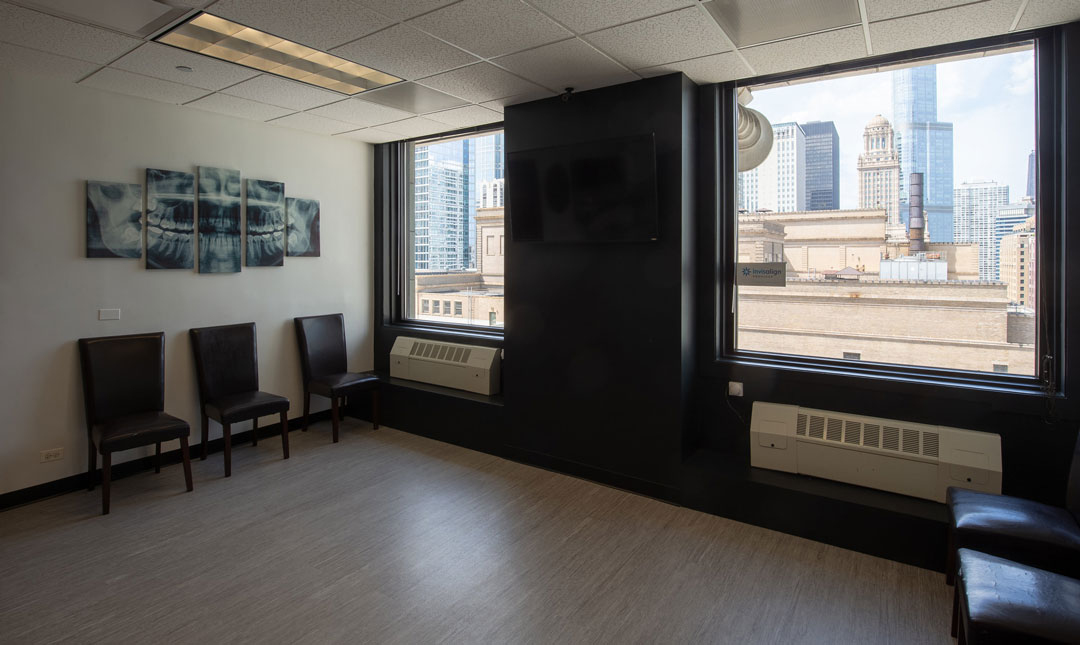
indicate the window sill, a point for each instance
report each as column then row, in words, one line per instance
column 450, row 333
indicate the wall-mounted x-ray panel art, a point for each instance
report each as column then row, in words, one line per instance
column 303, row 239
column 170, row 219
column 265, row 223
column 113, row 220
column 219, row 220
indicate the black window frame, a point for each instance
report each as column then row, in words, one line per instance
column 1052, row 94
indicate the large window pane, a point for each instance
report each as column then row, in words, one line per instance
column 455, row 228
column 872, row 275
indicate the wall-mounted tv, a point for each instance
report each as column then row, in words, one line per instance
column 598, row 191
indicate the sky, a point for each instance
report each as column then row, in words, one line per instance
column 990, row 101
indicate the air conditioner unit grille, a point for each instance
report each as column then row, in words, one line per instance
column 890, row 439
column 833, row 432
column 871, row 435
column 852, row 432
column 817, row 427
column 930, row 444
column 911, row 441
column 800, row 425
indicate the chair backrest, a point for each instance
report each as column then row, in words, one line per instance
column 1072, row 492
column 122, row 375
column 226, row 360
column 322, row 345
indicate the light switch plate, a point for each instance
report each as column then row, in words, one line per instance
column 108, row 314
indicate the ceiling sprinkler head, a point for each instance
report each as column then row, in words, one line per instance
column 184, row 68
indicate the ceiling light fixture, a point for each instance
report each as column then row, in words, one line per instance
column 226, row 40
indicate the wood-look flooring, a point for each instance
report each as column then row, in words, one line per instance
column 388, row 537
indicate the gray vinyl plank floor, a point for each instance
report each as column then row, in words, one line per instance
column 387, row 537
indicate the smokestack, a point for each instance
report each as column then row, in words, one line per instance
column 916, row 218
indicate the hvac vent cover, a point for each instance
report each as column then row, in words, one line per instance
column 464, row 367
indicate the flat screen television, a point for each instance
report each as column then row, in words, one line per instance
column 598, row 191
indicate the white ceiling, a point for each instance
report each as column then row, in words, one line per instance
column 471, row 58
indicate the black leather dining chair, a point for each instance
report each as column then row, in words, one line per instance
column 1021, row 530
column 324, row 363
column 227, row 367
column 124, row 393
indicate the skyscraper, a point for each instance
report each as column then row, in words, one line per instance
column 926, row 146
column 1031, row 176
column 879, row 173
column 779, row 183
column 822, row 165
column 1009, row 216
column 442, row 209
column 977, row 205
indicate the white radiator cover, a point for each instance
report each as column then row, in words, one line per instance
column 907, row 458
column 463, row 367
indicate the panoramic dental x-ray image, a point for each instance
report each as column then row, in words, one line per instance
column 265, row 223
column 303, row 227
column 219, row 220
column 113, row 220
column 170, row 219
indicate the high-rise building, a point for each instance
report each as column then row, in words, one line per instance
column 1031, row 176
column 926, row 146
column 442, row 207
column 492, row 194
column 976, row 208
column 779, row 183
column 1009, row 216
column 822, row 165
column 879, row 173
column 489, row 156
column 1018, row 267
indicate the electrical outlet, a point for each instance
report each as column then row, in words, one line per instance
column 734, row 388
column 52, row 454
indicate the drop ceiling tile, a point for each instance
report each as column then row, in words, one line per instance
column 491, row 28
column 466, row 117
column 584, row 17
column 753, row 22
column 360, row 113
column 480, row 82
column 1040, row 13
column 115, row 80
column 21, row 59
column 404, row 52
column 417, row 126
column 569, row 63
column 322, row 24
column 675, row 36
column 886, row 9
column 412, row 97
column 311, row 123
column 499, row 104
column 807, row 51
column 161, row 61
column 717, row 68
column 19, row 26
column 243, row 108
column 405, row 9
column 371, row 135
column 939, row 27
column 282, row 92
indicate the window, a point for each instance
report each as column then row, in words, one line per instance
column 455, row 196
column 492, row 318
column 490, row 245
column 1000, row 368
column 424, row 305
column 834, row 201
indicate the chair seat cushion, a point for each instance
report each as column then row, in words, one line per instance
column 1006, row 602
column 1044, row 536
column 244, row 406
column 343, row 383
column 140, row 429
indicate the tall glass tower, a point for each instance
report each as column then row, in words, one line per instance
column 926, row 146
column 822, row 166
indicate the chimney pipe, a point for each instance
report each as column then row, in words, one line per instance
column 916, row 216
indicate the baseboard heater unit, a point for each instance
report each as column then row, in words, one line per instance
column 463, row 367
column 897, row 456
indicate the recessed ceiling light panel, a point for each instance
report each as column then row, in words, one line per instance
column 213, row 36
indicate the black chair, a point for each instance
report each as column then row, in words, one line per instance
column 999, row 601
column 227, row 366
column 325, row 366
column 124, row 392
column 1040, row 535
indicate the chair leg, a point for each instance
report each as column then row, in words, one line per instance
column 307, row 407
column 955, row 611
column 285, row 434
column 91, row 466
column 205, row 435
column 255, row 431
column 950, row 560
column 375, row 408
column 334, row 416
column 157, row 457
column 106, row 475
column 227, row 434
column 187, row 463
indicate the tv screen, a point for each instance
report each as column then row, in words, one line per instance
column 599, row 191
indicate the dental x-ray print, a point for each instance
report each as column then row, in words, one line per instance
column 303, row 239
column 113, row 220
column 265, row 223
column 219, row 220
column 170, row 219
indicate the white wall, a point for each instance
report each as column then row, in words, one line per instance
column 53, row 137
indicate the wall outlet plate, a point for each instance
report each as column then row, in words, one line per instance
column 734, row 388
column 52, row 454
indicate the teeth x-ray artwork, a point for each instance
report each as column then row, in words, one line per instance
column 265, row 223
column 303, row 239
column 219, row 220
column 170, row 219
column 113, row 220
